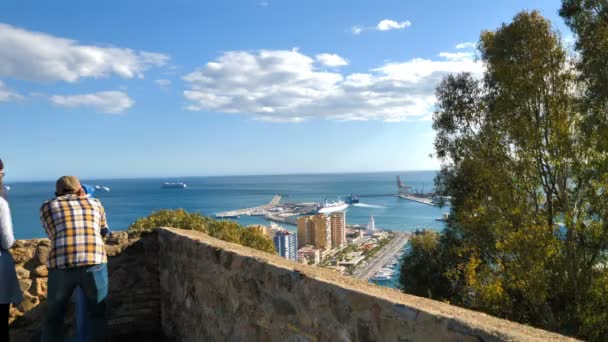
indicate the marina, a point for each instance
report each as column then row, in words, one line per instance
column 379, row 265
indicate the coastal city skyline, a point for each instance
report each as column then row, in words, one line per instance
column 204, row 89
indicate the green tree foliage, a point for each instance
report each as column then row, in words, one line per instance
column 224, row 230
column 424, row 261
column 588, row 19
column 528, row 233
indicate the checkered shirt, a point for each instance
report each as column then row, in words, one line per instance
column 73, row 224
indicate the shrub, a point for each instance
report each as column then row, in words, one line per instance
column 224, row 230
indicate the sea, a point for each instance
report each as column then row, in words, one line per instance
column 130, row 199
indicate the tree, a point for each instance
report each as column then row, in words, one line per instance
column 224, row 230
column 526, row 239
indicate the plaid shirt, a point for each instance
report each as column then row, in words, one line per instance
column 73, row 224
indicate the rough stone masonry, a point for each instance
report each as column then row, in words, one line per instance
column 179, row 285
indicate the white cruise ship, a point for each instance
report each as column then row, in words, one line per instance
column 330, row 207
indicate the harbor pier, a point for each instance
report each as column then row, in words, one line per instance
column 249, row 211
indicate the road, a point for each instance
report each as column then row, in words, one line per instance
column 382, row 257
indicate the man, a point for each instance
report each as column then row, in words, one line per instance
column 73, row 223
column 80, row 303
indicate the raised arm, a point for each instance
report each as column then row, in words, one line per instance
column 6, row 225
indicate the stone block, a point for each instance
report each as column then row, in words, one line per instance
column 22, row 273
column 42, row 254
column 29, row 302
column 22, row 254
column 25, row 284
column 41, row 271
column 13, row 314
column 39, row 287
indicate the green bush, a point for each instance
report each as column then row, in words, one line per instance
column 224, row 230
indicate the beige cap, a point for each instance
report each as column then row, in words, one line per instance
column 67, row 185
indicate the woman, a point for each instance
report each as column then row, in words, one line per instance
column 9, row 285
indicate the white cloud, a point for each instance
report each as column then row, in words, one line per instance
column 331, row 60
column 457, row 56
column 111, row 102
column 163, row 82
column 466, row 45
column 383, row 25
column 388, row 24
column 6, row 94
column 286, row 85
column 37, row 56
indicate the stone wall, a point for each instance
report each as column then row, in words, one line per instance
column 212, row 290
column 133, row 293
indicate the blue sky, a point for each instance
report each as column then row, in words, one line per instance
column 111, row 88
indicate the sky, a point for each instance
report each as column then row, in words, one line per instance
column 126, row 89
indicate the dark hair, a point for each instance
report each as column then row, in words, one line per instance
column 1, row 165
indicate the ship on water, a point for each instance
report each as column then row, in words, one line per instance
column 352, row 199
column 174, row 185
column 330, row 207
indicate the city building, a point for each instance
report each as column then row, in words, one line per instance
column 260, row 228
column 273, row 229
column 371, row 226
column 286, row 244
column 306, row 231
column 322, row 231
column 352, row 259
column 338, row 229
column 309, row 255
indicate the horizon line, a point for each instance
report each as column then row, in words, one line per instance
column 226, row 175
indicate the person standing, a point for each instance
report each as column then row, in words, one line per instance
column 80, row 302
column 10, row 292
column 73, row 223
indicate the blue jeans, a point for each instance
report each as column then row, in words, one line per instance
column 80, row 314
column 93, row 280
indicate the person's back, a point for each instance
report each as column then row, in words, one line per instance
column 73, row 223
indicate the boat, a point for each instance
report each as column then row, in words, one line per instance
column 104, row 188
column 174, row 185
column 352, row 199
column 330, row 207
column 443, row 218
column 227, row 216
column 383, row 275
column 7, row 188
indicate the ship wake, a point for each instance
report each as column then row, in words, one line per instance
column 364, row 205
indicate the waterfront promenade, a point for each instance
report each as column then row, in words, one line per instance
column 382, row 257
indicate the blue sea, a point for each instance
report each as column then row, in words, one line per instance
column 130, row 199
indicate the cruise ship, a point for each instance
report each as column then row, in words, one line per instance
column 330, row 207
column 175, row 185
